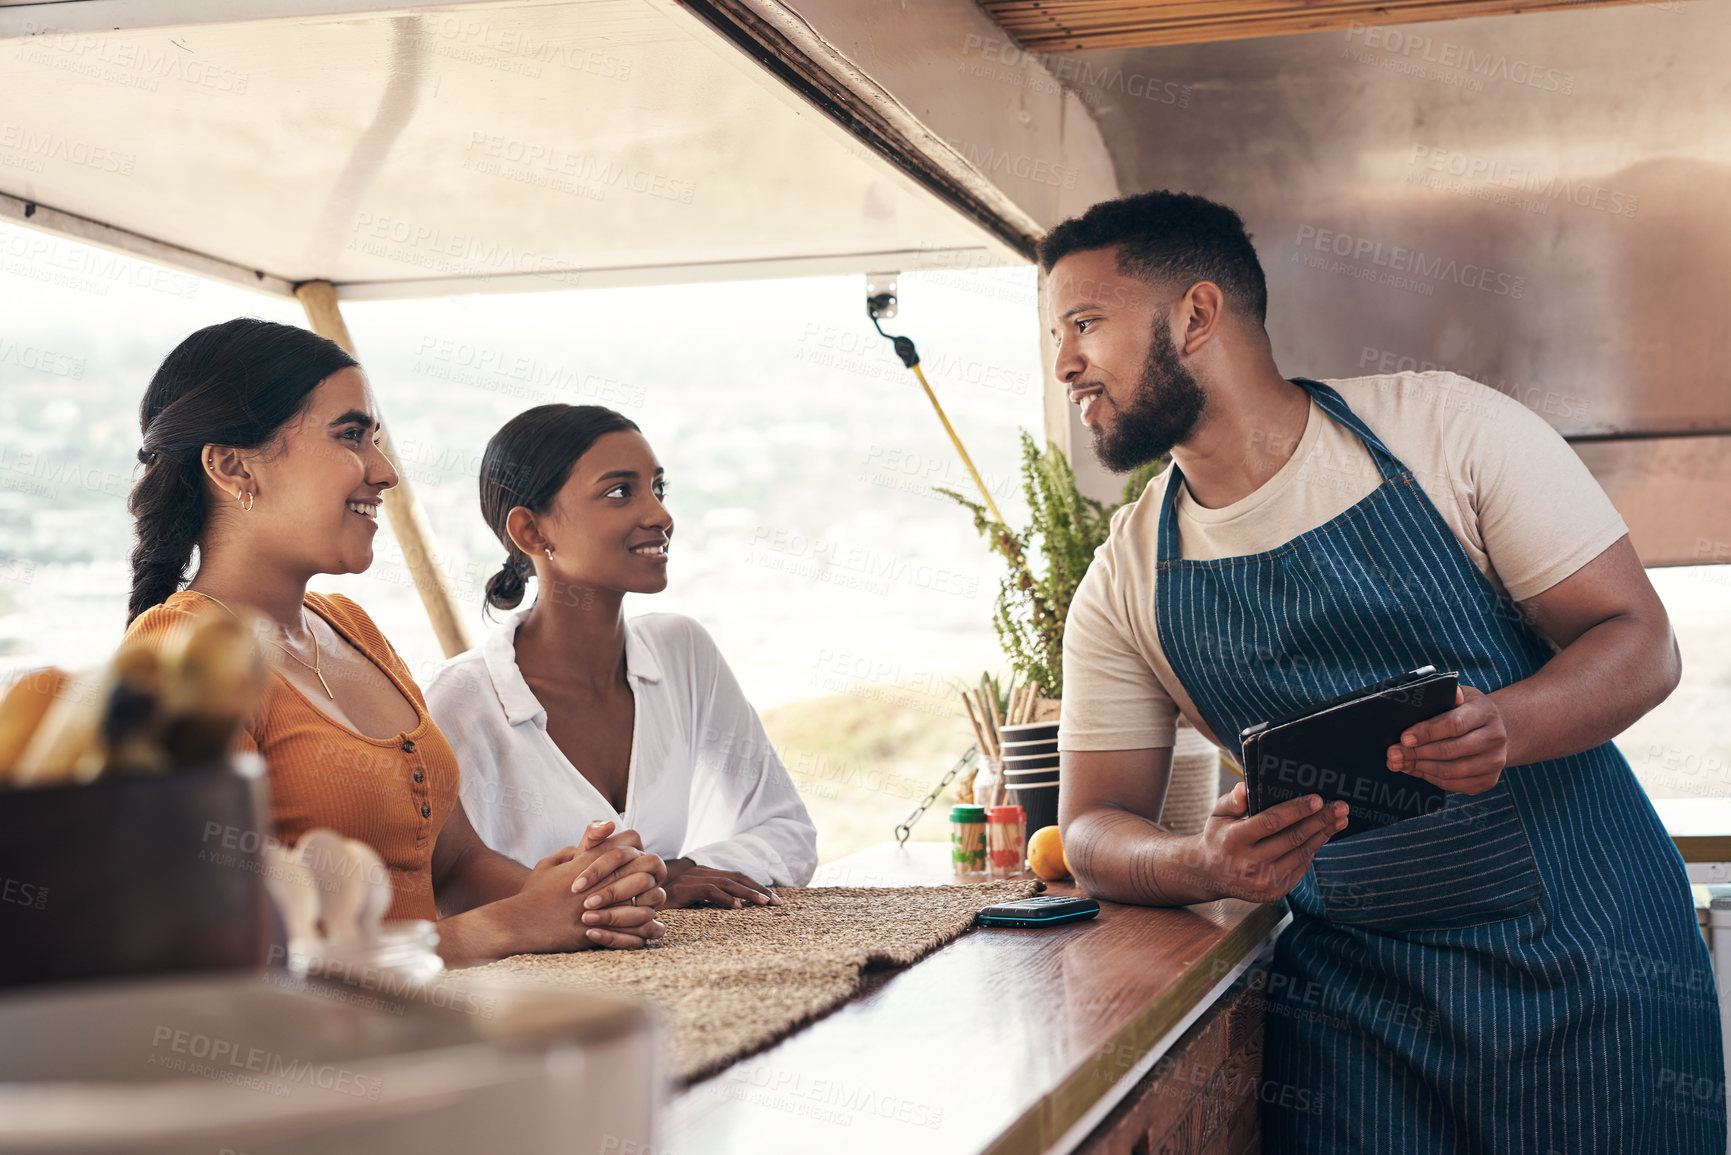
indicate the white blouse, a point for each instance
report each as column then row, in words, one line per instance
column 705, row 783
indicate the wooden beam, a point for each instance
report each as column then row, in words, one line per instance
column 1080, row 25
column 408, row 520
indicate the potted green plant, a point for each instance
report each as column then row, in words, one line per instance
column 1065, row 528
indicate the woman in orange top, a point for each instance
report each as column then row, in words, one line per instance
column 261, row 449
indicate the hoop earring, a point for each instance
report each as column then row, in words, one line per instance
column 245, row 500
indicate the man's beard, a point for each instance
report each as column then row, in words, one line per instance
column 1165, row 407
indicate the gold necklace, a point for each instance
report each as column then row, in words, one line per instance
column 318, row 658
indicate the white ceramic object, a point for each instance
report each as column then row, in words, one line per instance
column 295, row 891
column 344, row 870
column 268, row 1064
column 333, row 893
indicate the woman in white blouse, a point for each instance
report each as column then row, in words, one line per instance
column 569, row 713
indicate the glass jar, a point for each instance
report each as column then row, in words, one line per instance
column 1006, row 838
column 989, row 782
column 968, row 840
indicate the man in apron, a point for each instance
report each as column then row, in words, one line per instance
column 1520, row 971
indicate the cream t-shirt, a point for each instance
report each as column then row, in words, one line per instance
column 1525, row 508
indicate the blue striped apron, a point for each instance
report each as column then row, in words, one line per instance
column 1520, row 971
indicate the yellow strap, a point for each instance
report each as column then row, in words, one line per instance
column 957, row 442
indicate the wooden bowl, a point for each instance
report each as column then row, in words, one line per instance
column 135, row 874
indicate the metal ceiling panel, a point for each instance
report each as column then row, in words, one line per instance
column 1537, row 201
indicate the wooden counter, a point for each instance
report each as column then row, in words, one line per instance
column 1701, row 828
column 1006, row 1041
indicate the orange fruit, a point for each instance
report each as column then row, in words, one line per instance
column 1046, row 855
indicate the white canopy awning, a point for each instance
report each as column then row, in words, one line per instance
column 1535, row 200
column 454, row 148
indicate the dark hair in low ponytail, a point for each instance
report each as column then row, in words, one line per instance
column 234, row 384
column 527, row 463
column 506, row 588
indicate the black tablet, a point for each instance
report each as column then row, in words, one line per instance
column 1339, row 749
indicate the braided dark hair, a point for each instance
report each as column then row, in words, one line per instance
column 234, row 384
column 526, row 463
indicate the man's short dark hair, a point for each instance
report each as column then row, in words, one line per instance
column 1169, row 238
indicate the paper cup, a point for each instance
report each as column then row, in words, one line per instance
column 1030, row 732
column 1041, row 803
column 1022, row 749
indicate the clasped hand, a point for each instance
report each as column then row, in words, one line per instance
column 691, row 884
column 591, row 886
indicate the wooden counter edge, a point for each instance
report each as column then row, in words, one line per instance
column 1060, row 1110
column 1703, row 847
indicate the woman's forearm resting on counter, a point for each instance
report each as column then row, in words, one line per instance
column 577, row 898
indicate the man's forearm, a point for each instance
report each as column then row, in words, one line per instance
column 1123, row 857
column 1590, row 692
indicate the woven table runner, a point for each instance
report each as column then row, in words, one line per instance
column 729, row 982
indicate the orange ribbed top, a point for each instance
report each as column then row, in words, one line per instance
column 393, row 793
